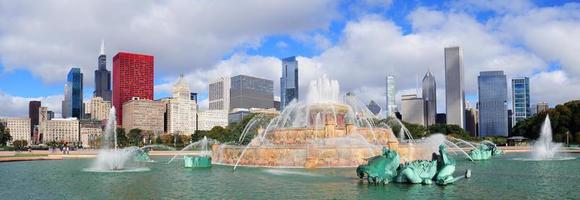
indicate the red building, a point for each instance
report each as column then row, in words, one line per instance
column 132, row 77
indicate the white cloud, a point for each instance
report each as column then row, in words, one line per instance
column 48, row 37
column 15, row 106
column 553, row 87
column 522, row 40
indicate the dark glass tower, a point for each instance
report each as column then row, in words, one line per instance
column 103, row 77
column 288, row 81
column 493, row 114
column 74, row 94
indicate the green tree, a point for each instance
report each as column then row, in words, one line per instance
column 5, row 136
column 19, row 144
column 122, row 140
column 135, row 137
column 158, row 140
column 564, row 118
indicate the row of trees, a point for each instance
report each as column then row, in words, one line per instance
column 231, row 133
column 565, row 120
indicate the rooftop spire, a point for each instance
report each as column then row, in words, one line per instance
column 102, row 47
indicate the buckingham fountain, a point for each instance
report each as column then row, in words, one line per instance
column 325, row 131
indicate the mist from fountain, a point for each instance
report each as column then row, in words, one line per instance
column 114, row 159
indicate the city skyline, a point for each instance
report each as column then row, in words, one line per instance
column 334, row 53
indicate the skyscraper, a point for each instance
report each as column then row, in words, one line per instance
column 412, row 109
column 219, row 94
column 520, row 99
column 454, row 88
column 493, row 114
column 73, row 94
column 33, row 107
column 374, row 107
column 391, row 92
column 288, row 81
column 251, row 92
column 132, row 77
column 103, row 77
column 430, row 98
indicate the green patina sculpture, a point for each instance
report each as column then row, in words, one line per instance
column 197, row 161
column 385, row 168
column 418, row 171
column 484, row 152
column 141, row 156
column 381, row 168
column 445, row 167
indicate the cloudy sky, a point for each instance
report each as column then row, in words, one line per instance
column 355, row 42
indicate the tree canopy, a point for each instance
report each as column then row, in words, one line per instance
column 5, row 136
column 565, row 119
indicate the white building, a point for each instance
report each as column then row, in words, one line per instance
column 90, row 130
column 210, row 118
column 219, row 94
column 99, row 108
column 181, row 110
column 19, row 128
column 412, row 109
column 66, row 130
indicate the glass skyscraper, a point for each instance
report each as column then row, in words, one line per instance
column 288, row 81
column 429, row 89
column 73, row 97
column 391, row 91
column 521, row 99
column 493, row 115
column 251, row 92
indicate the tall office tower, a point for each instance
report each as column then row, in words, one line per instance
column 103, row 77
column 493, row 113
column 471, row 121
column 73, row 95
column 391, row 91
column 288, row 81
column 219, row 94
column 132, row 77
column 66, row 103
column 251, row 92
column 430, row 98
column 454, row 88
column 33, row 107
column 520, row 99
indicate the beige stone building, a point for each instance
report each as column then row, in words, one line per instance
column 210, row 118
column 90, row 130
column 99, row 108
column 181, row 110
column 19, row 128
column 144, row 114
column 66, row 130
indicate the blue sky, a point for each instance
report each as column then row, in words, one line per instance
column 318, row 35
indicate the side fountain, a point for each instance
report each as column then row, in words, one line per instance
column 544, row 148
column 112, row 159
